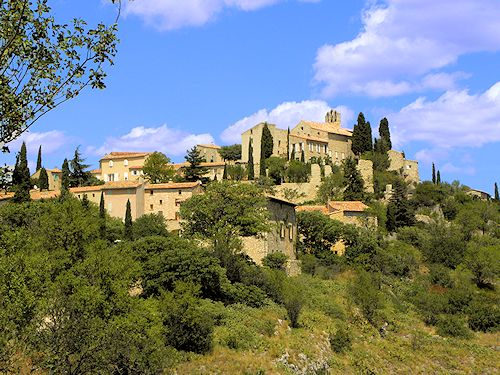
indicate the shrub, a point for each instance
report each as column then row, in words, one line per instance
column 452, row 326
column 365, row 293
column 430, row 304
column 275, row 261
column 149, row 225
column 293, row 299
column 484, row 316
column 248, row 295
column 341, row 340
column 440, row 275
column 398, row 259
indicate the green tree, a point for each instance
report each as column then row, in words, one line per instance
column 79, row 176
column 276, row 167
column 297, row 171
column 438, row 178
column 224, row 174
column 157, row 168
column 236, row 172
column 231, row 153
column 194, row 171
column 32, row 83
column 288, row 144
column 266, row 148
column 484, row 263
column 43, row 179
column 385, row 136
column 318, row 233
column 497, row 196
column 331, row 187
column 149, row 225
column 66, row 176
column 433, row 173
column 250, row 166
column 23, row 178
column 39, row 159
column 302, row 156
column 399, row 210
column 128, row 222
column 366, row 295
column 102, row 217
column 362, row 136
column 353, row 181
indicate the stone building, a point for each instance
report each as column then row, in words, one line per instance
column 478, row 194
column 121, row 166
column 315, row 139
column 407, row 168
column 210, row 153
column 54, row 176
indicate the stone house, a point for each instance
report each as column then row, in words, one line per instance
column 407, row 168
column 478, row 194
column 54, row 176
column 210, row 153
column 121, row 166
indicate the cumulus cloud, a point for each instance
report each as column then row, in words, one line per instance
column 175, row 14
column 172, row 142
column 287, row 114
column 403, row 44
column 455, row 119
column 51, row 142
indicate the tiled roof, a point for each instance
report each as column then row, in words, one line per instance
column 321, row 209
column 96, row 171
column 353, row 206
column 136, row 167
column 210, row 146
column 173, row 185
column 54, row 170
column 315, row 139
column 272, row 197
column 124, row 155
column 205, row 164
column 85, row 189
column 328, row 128
column 34, row 194
column 108, row 186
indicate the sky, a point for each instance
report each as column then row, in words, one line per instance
column 203, row 71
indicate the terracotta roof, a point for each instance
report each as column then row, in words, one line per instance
column 96, row 171
column 205, row 164
column 124, row 155
column 54, row 170
column 34, row 194
column 85, row 189
column 321, row 209
column 173, row 185
column 210, row 146
column 5, row 196
column 121, row 185
column 328, row 128
column 315, row 139
column 272, row 197
column 136, row 167
column 353, row 206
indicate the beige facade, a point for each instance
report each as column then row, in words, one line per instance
column 122, row 166
column 407, row 168
column 210, row 153
column 326, row 140
column 478, row 194
column 54, row 177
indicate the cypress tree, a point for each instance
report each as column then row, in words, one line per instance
column 251, row 168
column 128, row 221
column 292, row 157
column 302, row 156
column 433, row 173
column 15, row 172
column 353, row 181
column 85, row 201
column 438, row 178
column 102, row 217
column 39, row 159
column 23, row 177
column 224, row 175
column 362, row 136
column 399, row 212
column 266, row 148
column 367, row 137
column 66, row 175
column 385, row 135
column 288, row 144
column 43, row 180
column 497, row 197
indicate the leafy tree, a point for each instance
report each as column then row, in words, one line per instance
column 232, row 153
column 44, row 63
column 194, row 171
column 244, row 211
column 43, row 179
column 385, row 136
column 128, row 222
column 433, row 173
column 250, row 167
column 157, row 168
column 293, row 300
column 149, row 225
column 79, row 176
column 445, row 244
column 399, row 210
column 276, row 167
column 331, row 188
column 318, row 233
column 297, row 171
column 354, row 184
column 266, row 148
column 484, row 263
column 22, row 177
column 275, row 261
column 236, row 172
column 39, row 159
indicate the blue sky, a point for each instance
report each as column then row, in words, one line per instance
column 198, row 71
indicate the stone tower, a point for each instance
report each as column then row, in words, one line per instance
column 332, row 117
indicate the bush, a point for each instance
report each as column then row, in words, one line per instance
column 248, row 295
column 452, row 326
column 430, row 304
column 293, row 299
column 440, row 275
column 149, row 225
column 398, row 259
column 365, row 293
column 341, row 340
column 275, row 261
column 484, row 316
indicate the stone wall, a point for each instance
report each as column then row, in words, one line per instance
column 365, row 167
column 407, row 168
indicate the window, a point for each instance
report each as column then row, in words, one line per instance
column 282, row 230
column 125, row 176
column 111, row 163
column 161, row 201
column 343, row 156
column 111, row 177
column 134, row 173
column 125, row 162
column 151, row 192
column 336, row 155
column 290, row 231
column 93, row 195
column 279, row 143
column 326, row 149
column 180, row 192
column 151, row 207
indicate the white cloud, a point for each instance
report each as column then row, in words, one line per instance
column 404, row 42
column 175, row 14
column 172, row 142
column 51, row 142
column 455, row 119
column 285, row 115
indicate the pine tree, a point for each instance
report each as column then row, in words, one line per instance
column 43, row 179
column 399, row 211
column 78, row 176
column 39, row 159
column 353, row 181
column 266, row 148
column 438, row 178
column 250, row 167
column 194, row 171
column 385, row 135
column 497, row 197
column 102, row 217
column 362, row 136
column 128, row 221
column 23, row 178
column 66, row 175
column 433, row 173
column 224, row 175
column 288, row 144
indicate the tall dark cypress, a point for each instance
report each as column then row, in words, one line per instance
column 433, row 173
column 224, row 174
column 102, row 217
column 288, row 144
column 438, row 178
column 385, row 135
column 497, row 197
column 302, row 156
column 399, row 211
column 23, row 177
column 362, row 136
column 66, row 176
column 251, row 168
column 128, row 221
column 266, row 148
column 43, row 179
column 367, row 137
column 39, row 159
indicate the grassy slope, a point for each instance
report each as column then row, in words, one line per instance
column 250, row 341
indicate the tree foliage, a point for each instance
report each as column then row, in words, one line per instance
column 362, row 140
column 194, row 170
column 250, row 166
column 353, row 181
column 157, row 168
column 266, row 148
column 43, row 180
column 231, row 153
column 399, row 210
column 21, row 177
column 39, row 159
